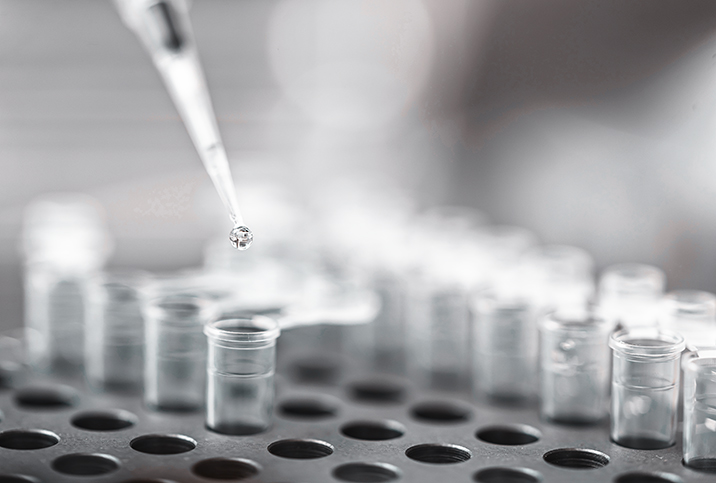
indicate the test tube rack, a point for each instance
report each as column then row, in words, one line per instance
column 332, row 423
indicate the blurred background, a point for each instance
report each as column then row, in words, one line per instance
column 589, row 122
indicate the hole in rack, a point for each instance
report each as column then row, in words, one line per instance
column 83, row 464
column 507, row 475
column 27, row 439
column 642, row 477
column 576, row 458
column 307, row 409
column 46, row 397
column 163, row 444
column 317, row 369
column 438, row 454
column 509, row 435
column 373, row 430
column 104, row 420
column 705, row 465
column 225, row 469
column 366, row 472
column 300, row 449
column 18, row 479
column 440, row 412
column 377, row 391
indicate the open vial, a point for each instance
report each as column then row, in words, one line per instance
column 574, row 368
column 175, row 362
column 505, row 348
column 114, row 338
column 645, row 387
column 700, row 410
column 629, row 294
column 240, row 370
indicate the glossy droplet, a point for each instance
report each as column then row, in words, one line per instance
column 241, row 237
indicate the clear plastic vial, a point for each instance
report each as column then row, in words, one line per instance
column 65, row 242
column 691, row 313
column 504, row 340
column 240, row 371
column 175, row 360
column 439, row 332
column 557, row 278
column 700, row 410
column 645, row 387
column 629, row 294
column 384, row 338
column 574, row 368
column 114, row 334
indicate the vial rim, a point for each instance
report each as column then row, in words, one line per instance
column 697, row 363
column 269, row 329
column 155, row 308
column 592, row 324
column 673, row 343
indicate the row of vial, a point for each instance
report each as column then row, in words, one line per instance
column 463, row 313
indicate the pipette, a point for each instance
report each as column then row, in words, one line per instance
column 165, row 31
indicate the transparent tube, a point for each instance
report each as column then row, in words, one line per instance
column 114, row 335
column 54, row 307
column 700, row 411
column 439, row 335
column 65, row 242
column 14, row 357
column 240, row 371
column 645, row 387
column 175, row 360
column 557, row 278
column 629, row 294
column 504, row 340
column 574, row 368
column 692, row 314
column 384, row 344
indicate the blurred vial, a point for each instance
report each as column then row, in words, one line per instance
column 387, row 332
column 574, row 368
column 645, row 387
column 240, row 371
column 692, row 314
column 14, row 357
column 65, row 241
column 629, row 294
column 699, row 446
column 557, row 278
column 114, row 335
column 499, row 249
column 175, row 357
column 439, row 334
column 504, row 345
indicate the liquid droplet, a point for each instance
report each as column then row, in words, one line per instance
column 241, row 237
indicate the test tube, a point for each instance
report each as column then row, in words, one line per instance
column 175, row 360
column 505, row 354
column 691, row 313
column 557, row 278
column 65, row 242
column 574, row 368
column 699, row 446
column 14, row 357
column 114, row 335
column 645, row 387
column 240, row 371
column 439, row 334
column 629, row 294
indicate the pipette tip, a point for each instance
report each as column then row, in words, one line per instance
column 241, row 237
